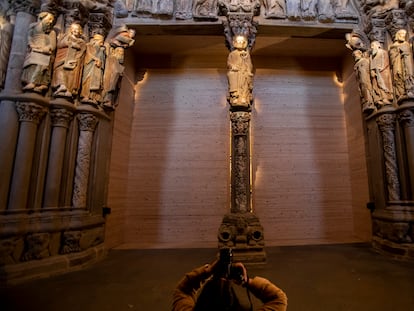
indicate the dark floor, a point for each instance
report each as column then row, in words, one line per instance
column 348, row 277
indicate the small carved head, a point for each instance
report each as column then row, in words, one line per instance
column 240, row 42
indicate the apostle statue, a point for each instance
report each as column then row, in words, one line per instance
column 68, row 64
column 37, row 66
column 93, row 70
column 240, row 73
column 402, row 66
column 362, row 71
column 380, row 75
column 118, row 40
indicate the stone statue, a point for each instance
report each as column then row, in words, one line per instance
column 163, row 7
column 309, row 9
column 380, row 75
column 6, row 33
column 143, row 6
column 326, row 12
column 293, row 9
column 183, row 9
column 93, row 69
column 275, row 8
column 344, row 9
column 205, row 9
column 240, row 73
column 118, row 41
column 37, row 66
column 362, row 71
column 69, row 62
column 402, row 67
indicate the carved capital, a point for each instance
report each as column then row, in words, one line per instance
column 87, row 122
column 74, row 12
column 61, row 117
column 378, row 31
column 29, row 112
column 386, row 122
column 240, row 122
column 406, row 118
column 99, row 23
column 396, row 20
column 27, row 6
column 240, row 24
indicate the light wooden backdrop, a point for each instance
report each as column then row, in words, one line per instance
column 169, row 181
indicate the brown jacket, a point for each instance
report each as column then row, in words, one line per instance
column 184, row 296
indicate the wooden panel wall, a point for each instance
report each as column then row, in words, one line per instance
column 118, row 177
column 355, row 126
column 178, row 162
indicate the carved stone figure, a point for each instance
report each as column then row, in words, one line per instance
column 309, row 9
column 37, row 246
column 183, row 9
column 326, row 10
column 293, row 9
column 275, row 8
column 362, row 71
column 6, row 33
column 70, row 242
column 37, row 71
column 163, row 7
column 205, row 9
column 68, row 63
column 143, row 6
column 344, row 9
column 94, row 65
column 380, row 75
column 240, row 73
column 114, row 69
column 402, row 67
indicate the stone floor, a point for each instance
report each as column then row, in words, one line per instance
column 349, row 277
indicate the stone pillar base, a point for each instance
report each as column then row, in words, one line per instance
column 47, row 267
column 393, row 231
column 244, row 234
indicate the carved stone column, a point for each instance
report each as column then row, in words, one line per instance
column 386, row 124
column 30, row 115
column 9, row 122
column 240, row 162
column 241, row 229
column 61, row 115
column 406, row 118
column 87, row 125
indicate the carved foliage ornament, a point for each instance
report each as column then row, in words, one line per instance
column 240, row 122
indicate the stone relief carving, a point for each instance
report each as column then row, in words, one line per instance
column 37, row 66
column 242, row 229
column 156, row 7
column 309, row 9
column 275, row 8
column 36, row 246
column 386, row 124
column 205, row 9
column 183, row 9
column 10, row 250
column 68, row 64
column 397, row 232
column 71, row 242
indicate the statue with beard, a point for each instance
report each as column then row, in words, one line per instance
column 37, row 66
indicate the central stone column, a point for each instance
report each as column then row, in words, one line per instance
column 241, row 229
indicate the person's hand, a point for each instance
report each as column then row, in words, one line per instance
column 243, row 270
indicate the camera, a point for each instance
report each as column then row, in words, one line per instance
column 227, row 269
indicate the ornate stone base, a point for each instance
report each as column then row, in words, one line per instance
column 35, row 269
column 393, row 232
column 244, row 234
